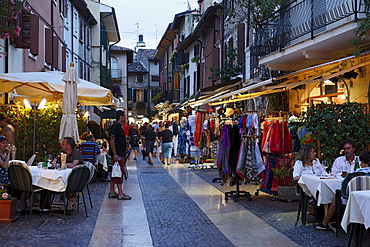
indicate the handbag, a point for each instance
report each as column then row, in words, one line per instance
column 116, row 170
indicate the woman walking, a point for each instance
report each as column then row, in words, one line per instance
column 167, row 144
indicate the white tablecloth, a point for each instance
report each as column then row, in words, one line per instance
column 323, row 190
column 102, row 159
column 357, row 209
column 50, row 179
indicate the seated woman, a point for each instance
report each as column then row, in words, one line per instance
column 307, row 164
column 365, row 167
column 4, row 160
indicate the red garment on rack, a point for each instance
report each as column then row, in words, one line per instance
column 198, row 129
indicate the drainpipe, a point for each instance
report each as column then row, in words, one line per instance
column 6, row 95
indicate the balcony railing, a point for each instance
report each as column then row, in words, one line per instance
column 116, row 73
column 299, row 19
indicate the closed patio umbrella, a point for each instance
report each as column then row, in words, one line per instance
column 68, row 125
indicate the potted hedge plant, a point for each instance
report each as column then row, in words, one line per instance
column 286, row 189
column 7, row 206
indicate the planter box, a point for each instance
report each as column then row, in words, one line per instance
column 7, row 211
column 287, row 193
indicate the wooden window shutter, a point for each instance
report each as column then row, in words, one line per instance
column 34, row 46
column 64, row 58
column 134, row 95
column 48, row 46
column 55, row 51
column 24, row 39
column 241, row 42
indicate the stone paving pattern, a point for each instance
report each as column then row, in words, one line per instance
column 174, row 218
column 52, row 229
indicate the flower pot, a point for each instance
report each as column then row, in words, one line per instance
column 7, row 211
column 287, row 193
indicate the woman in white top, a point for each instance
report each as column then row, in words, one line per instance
column 307, row 163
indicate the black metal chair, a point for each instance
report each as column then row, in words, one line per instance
column 76, row 182
column 343, row 192
column 92, row 172
column 302, row 209
column 21, row 179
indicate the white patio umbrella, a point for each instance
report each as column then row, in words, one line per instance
column 68, row 124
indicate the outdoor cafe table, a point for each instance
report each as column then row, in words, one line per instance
column 322, row 189
column 50, row 179
column 102, row 159
column 357, row 211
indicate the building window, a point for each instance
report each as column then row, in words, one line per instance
column 82, row 30
column 155, row 77
column 140, row 78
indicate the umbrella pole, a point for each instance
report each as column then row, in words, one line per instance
column 34, row 129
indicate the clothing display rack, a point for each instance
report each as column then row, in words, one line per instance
column 276, row 146
column 236, row 194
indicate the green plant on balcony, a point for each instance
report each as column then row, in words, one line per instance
column 158, row 96
column 184, row 66
column 173, row 55
column 195, row 59
column 229, row 69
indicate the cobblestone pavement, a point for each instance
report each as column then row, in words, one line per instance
column 174, row 218
column 52, row 229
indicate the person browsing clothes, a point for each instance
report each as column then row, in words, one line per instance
column 347, row 160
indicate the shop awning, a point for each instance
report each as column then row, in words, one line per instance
column 362, row 60
column 211, row 92
column 239, row 91
column 49, row 85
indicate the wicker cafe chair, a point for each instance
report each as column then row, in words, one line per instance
column 344, row 192
column 92, row 172
column 76, row 183
column 21, row 179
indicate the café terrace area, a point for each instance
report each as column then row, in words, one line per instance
column 172, row 206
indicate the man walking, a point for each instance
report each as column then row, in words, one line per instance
column 149, row 137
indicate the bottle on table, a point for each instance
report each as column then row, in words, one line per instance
column 357, row 165
column 45, row 163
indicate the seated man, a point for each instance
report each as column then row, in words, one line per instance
column 365, row 167
column 74, row 156
column 90, row 149
column 347, row 160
